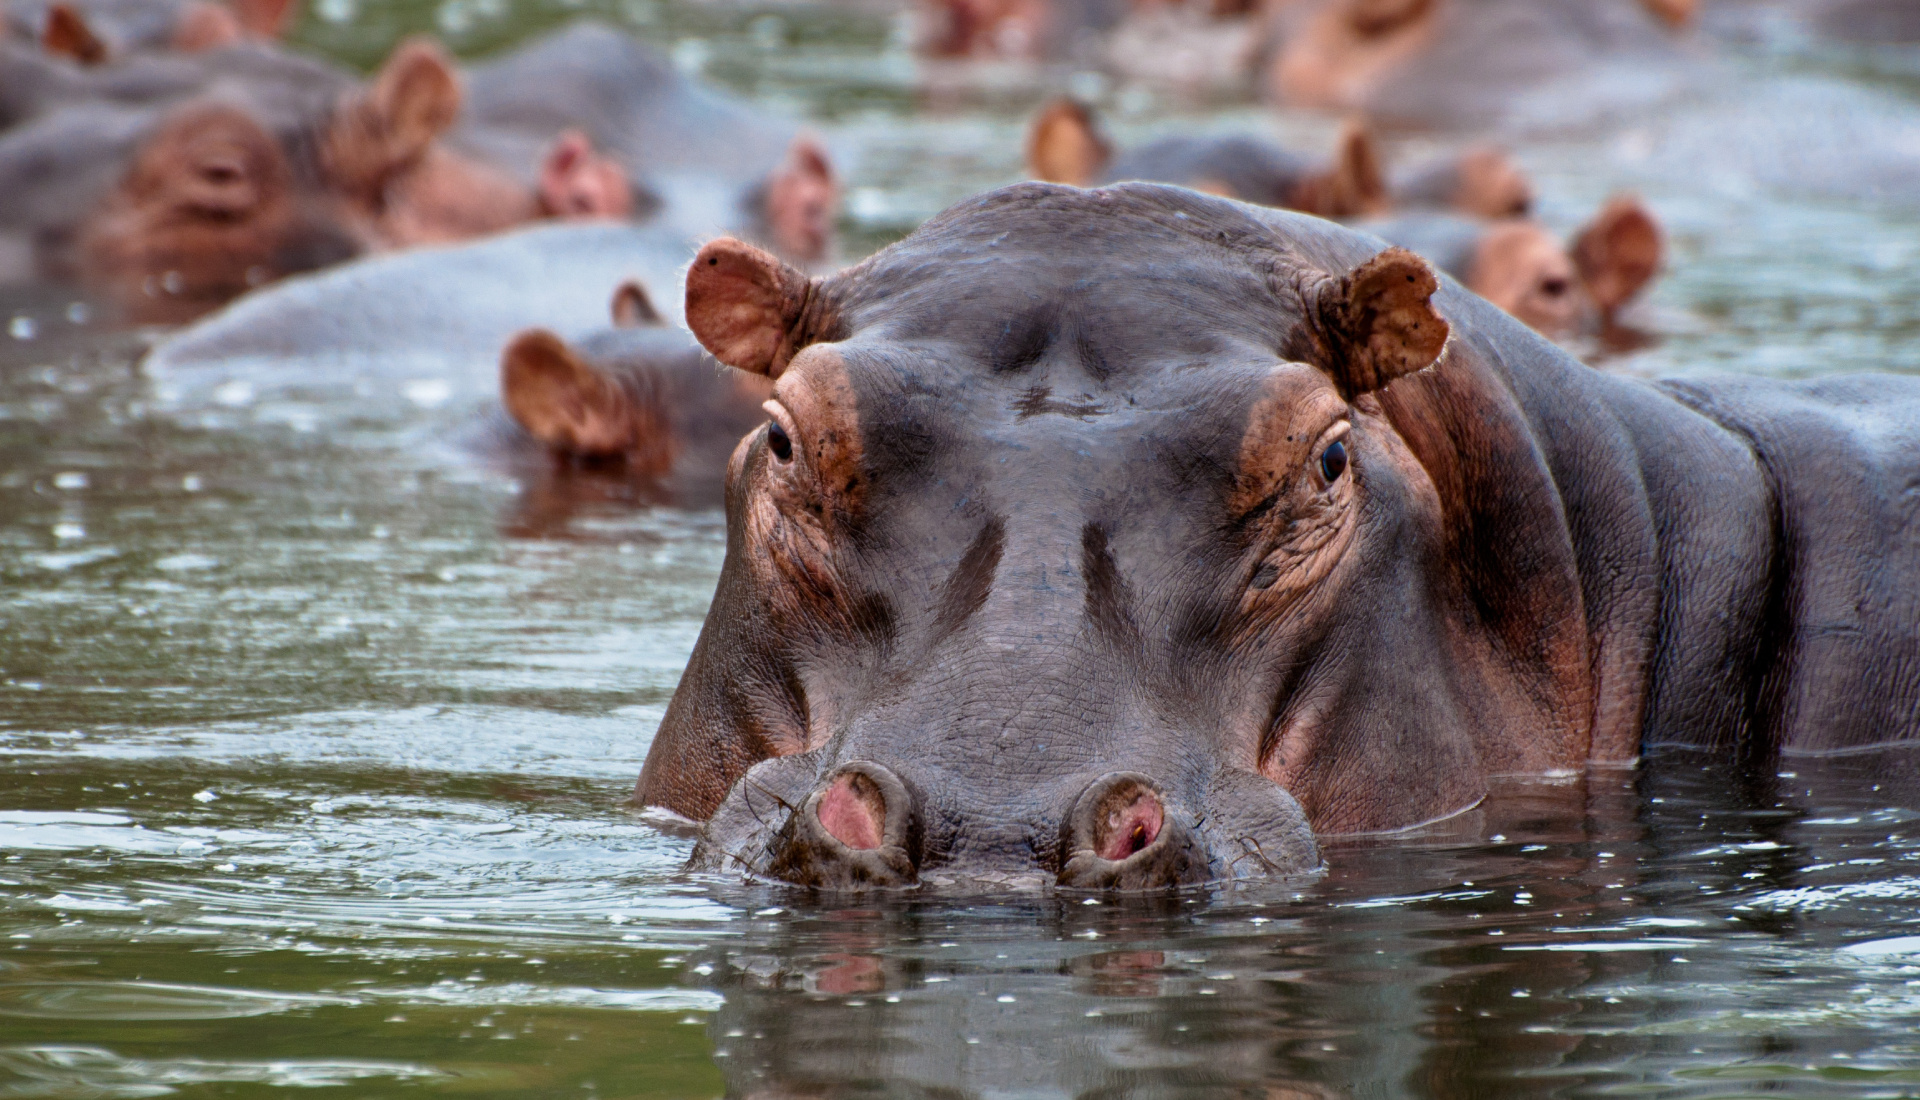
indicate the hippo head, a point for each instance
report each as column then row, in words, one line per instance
column 1564, row 290
column 209, row 207
column 1081, row 544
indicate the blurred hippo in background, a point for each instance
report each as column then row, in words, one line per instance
column 95, row 31
column 273, row 164
column 1065, row 145
column 1128, row 538
column 641, row 398
column 1561, row 291
column 1479, row 64
column 708, row 162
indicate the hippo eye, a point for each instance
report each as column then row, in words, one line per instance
column 1333, row 461
column 777, row 439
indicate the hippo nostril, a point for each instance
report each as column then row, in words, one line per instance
column 856, row 830
column 1120, row 835
column 1129, row 826
column 854, row 810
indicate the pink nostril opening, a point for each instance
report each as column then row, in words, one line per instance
column 1131, row 827
column 853, row 810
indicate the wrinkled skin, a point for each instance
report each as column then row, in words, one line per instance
column 1473, row 64
column 641, row 398
column 310, row 169
column 1560, row 290
column 1065, row 145
column 707, row 162
column 1047, row 565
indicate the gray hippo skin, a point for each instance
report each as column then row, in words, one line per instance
column 1118, row 536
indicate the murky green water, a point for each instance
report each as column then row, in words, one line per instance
column 314, row 732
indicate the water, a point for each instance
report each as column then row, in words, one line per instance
column 315, row 730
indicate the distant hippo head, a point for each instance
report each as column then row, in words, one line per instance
column 1561, row 290
column 1085, row 544
column 231, row 192
column 1463, row 63
column 209, row 208
column 191, row 26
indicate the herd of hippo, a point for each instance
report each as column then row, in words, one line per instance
column 1125, row 529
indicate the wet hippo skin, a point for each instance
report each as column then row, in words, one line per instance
column 1118, row 536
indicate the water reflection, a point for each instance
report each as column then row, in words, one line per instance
column 1574, row 939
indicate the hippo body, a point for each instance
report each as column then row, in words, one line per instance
column 1479, row 64
column 441, row 312
column 1118, row 537
column 709, row 163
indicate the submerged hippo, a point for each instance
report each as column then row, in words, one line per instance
column 1473, row 64
column 711, row 163
column 268, row 165
column 95, row 31
column 1561, row 290
column 642, row 398
column 1130, row 537
column 1065, row 145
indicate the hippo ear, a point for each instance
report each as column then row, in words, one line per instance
column 561, row 400
column 752, row 311
column 1378, row 321
column 1065, row 145
column 68, row 35
column 1677, row 14
column 632, row 308
column 204, row 25
column 1353, row 184
column 1617, row 253
column 266, row 18
column 802, row 199
column 415, row 96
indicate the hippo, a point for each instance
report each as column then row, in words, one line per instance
column 1133, row 538
column 642, row 398
column 1479, row 64
column 95, row 31
column 273, row 164
column 1515, row 263
column 1065, row 145
column 708, row 162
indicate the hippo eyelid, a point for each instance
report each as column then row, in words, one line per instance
column 1336, row 434
column 783, row 420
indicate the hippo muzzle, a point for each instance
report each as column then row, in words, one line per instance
column 858, row 825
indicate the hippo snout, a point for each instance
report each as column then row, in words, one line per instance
column 1119, row 836
column 859, row 825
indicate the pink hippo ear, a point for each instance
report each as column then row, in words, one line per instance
column 415, row 96
column 388, row 128
column 752, row 311
column 1618, row 253
column 577, row 182
column 68, row 35
column 562, row 401
column 1378, row 322
column 205, row 25
column 1352, row 185
column 1677, row 14
column 803, row 198
column 632, row 308
column 1065, row 145
column 266, row 18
